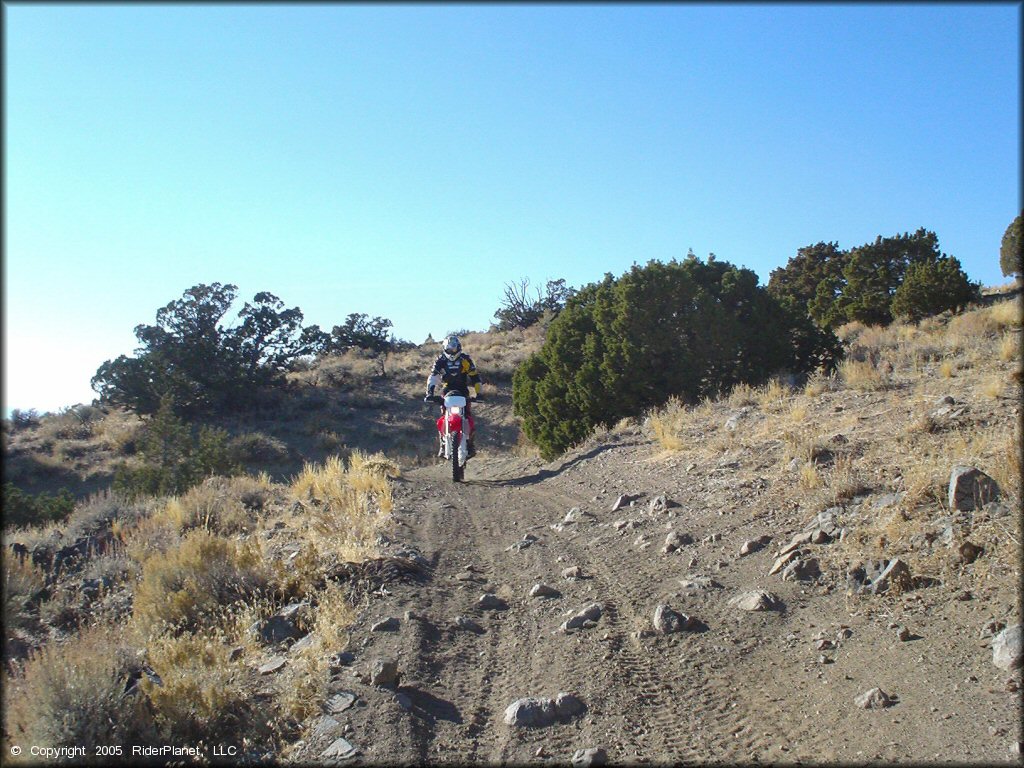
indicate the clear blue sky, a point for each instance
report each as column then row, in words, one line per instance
column 409, row 161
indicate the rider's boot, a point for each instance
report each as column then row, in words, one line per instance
column 471, row 449
column 440, row 446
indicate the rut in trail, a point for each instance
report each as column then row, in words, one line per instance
column 742, row 686
column 640, row 697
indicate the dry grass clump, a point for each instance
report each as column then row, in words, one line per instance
column 220, row 504
column 22, row 582
column 819, row 383
column 862, row 375
column 772, row 393
column 742, row 394
column 348, row 506
column 257, row 447
column 667, row 424
column 73, row 695
column 202, row 695
column 191, row 584
column 304, row 684
column 120, row 431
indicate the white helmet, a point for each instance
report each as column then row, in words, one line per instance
column 451, row 346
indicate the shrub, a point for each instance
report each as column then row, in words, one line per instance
column 931, row 287
column 190, row 585
column 256, row 447
column 1011, row 249
column 622, row 347
column 22, row 582
column 347, row 505
column 173, row 458
column 26, row 509
column 202, row 695
column 73, row 695
column 219, row 504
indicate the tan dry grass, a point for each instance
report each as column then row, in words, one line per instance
column 347, row 506
column 71, row 694
column 192, row 584
column 202, row 695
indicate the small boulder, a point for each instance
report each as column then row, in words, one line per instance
column 588, row 757
column 340, row 749
column 879, row 576
column 573, row 572
column 273, row 665
column 622, row 501
column 675, row 540
column 590, row 613
column 384, row 674
column 1006, row 648
column 666, row 620
column 970, row 488
column 543, row 590
column 782, row 562
column 387, row 625
column 531, row 712
column 568, row 707
column 876, row 698
column 754, row 545
column 339, row 702
column 802, row 570
column 491, row 602
column 660, row 504
column 757, row 600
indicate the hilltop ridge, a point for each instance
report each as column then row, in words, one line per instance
column 406, row 619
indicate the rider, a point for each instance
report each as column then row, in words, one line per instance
column 455, row 371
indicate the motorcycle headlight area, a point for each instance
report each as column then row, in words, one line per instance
column 456, row 410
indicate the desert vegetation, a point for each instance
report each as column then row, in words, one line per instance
column 150, row 631
column 157, row 537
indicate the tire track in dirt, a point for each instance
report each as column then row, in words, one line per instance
column 644, row 702
column 655, row 728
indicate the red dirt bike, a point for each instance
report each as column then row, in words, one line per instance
column 450, row 426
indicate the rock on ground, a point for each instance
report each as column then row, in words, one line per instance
column 970, row 488
column 341, row 749
column 491, row 602
column 530, row 712
column 876, row 698
column 390, row 624
column 666, row 620
column 757, row 600
column 587, row 757
column 591, row 613
column 1006, row 648
column 537, row 712
column 384, row 674
column 274, row 665
column 543, row 590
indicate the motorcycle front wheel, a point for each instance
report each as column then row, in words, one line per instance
column 453, row 451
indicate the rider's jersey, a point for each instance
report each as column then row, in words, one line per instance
column 455, row 375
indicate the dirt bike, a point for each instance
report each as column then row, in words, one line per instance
column 450, row 427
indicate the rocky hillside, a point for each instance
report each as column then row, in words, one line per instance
column 826, row 574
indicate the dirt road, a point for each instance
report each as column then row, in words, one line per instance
column 739, row 686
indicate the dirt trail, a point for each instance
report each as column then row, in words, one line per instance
column 746, row 686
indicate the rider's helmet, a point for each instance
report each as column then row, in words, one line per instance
column 451, row 346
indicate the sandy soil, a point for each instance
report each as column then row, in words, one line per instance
column 743, row 687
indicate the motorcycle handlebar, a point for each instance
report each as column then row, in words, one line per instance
column 437, row 399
